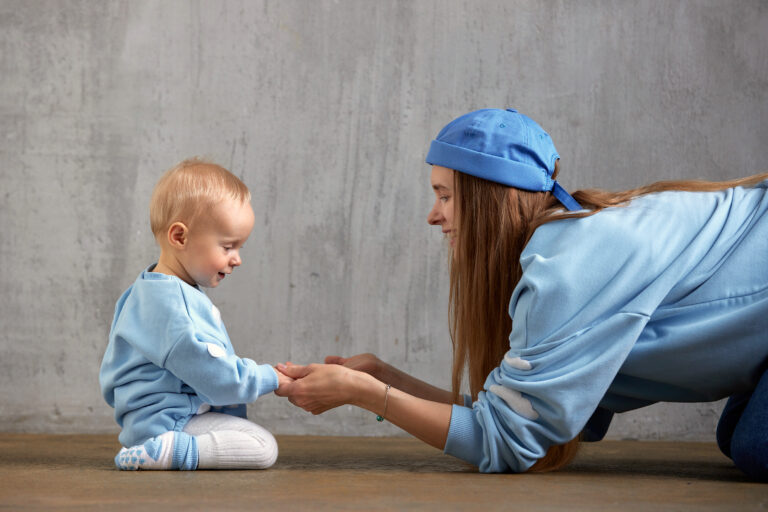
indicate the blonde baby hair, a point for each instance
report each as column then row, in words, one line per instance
column 189, row 189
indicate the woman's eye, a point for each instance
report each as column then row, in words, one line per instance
column 444, row 198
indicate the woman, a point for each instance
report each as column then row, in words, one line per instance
column 567, row 309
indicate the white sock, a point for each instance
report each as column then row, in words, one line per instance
column 155, row 453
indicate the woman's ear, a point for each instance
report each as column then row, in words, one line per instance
column 177, row 235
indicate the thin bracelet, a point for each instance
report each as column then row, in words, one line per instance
column 380, row 417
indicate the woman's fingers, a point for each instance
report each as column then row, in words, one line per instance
column 283, row 382
column 320, row 410
column 295, row 371
column 367, row 362
column 307, row 404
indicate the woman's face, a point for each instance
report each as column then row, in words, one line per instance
column 442, row 211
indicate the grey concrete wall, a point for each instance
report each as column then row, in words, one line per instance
column 325, row 109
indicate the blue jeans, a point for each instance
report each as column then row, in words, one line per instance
column 742, row 432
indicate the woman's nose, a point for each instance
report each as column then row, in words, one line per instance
column 434, row 218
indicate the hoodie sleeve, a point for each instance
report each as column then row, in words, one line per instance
column 178, row 329
column 217, row 374
column 576, row 314
column 204, row 359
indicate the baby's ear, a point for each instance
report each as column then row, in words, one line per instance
column 177, row 235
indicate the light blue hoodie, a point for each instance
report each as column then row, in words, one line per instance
column 169, row 357
column 665, row 299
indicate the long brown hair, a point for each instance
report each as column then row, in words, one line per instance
column 494, row 224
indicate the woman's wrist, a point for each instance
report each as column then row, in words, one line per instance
column 370, row 392
column 382, row 371
column 388, row 374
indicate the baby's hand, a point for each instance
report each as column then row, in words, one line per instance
column 282, row 381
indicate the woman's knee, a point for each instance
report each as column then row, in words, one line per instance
column 729, row 419
column 749, row 452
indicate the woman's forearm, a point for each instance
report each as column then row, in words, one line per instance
column 413, row 386
column 320, row 387
column 427, row 420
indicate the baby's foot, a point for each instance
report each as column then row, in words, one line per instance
column 156, row 453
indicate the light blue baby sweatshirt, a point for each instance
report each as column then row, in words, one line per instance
column 665, row 299
column 169, row 357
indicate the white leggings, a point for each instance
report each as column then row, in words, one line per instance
column 229, row 442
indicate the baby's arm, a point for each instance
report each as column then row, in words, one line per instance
column 219, row 376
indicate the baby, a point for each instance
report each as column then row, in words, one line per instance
column 170, row 372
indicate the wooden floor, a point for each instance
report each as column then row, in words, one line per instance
column 76, row 472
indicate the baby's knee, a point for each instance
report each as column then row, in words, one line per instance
column 268, row 448
column 272, row 451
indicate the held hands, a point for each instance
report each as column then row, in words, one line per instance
column 317, row 388
column 360, row 381
column 282, row 379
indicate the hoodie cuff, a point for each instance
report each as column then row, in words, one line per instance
column 268, row 379
column 465, row 436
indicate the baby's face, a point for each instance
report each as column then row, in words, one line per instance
column 215, row 242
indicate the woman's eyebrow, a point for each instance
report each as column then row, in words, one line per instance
column 439, row 187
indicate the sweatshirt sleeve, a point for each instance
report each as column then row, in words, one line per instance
column 180, row 330
column 218, row 375
column 574, row 322
column 204, row 359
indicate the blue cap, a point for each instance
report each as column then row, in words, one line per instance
column 503, row 146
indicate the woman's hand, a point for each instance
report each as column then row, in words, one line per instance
column 367, row 363
column 317, row 388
